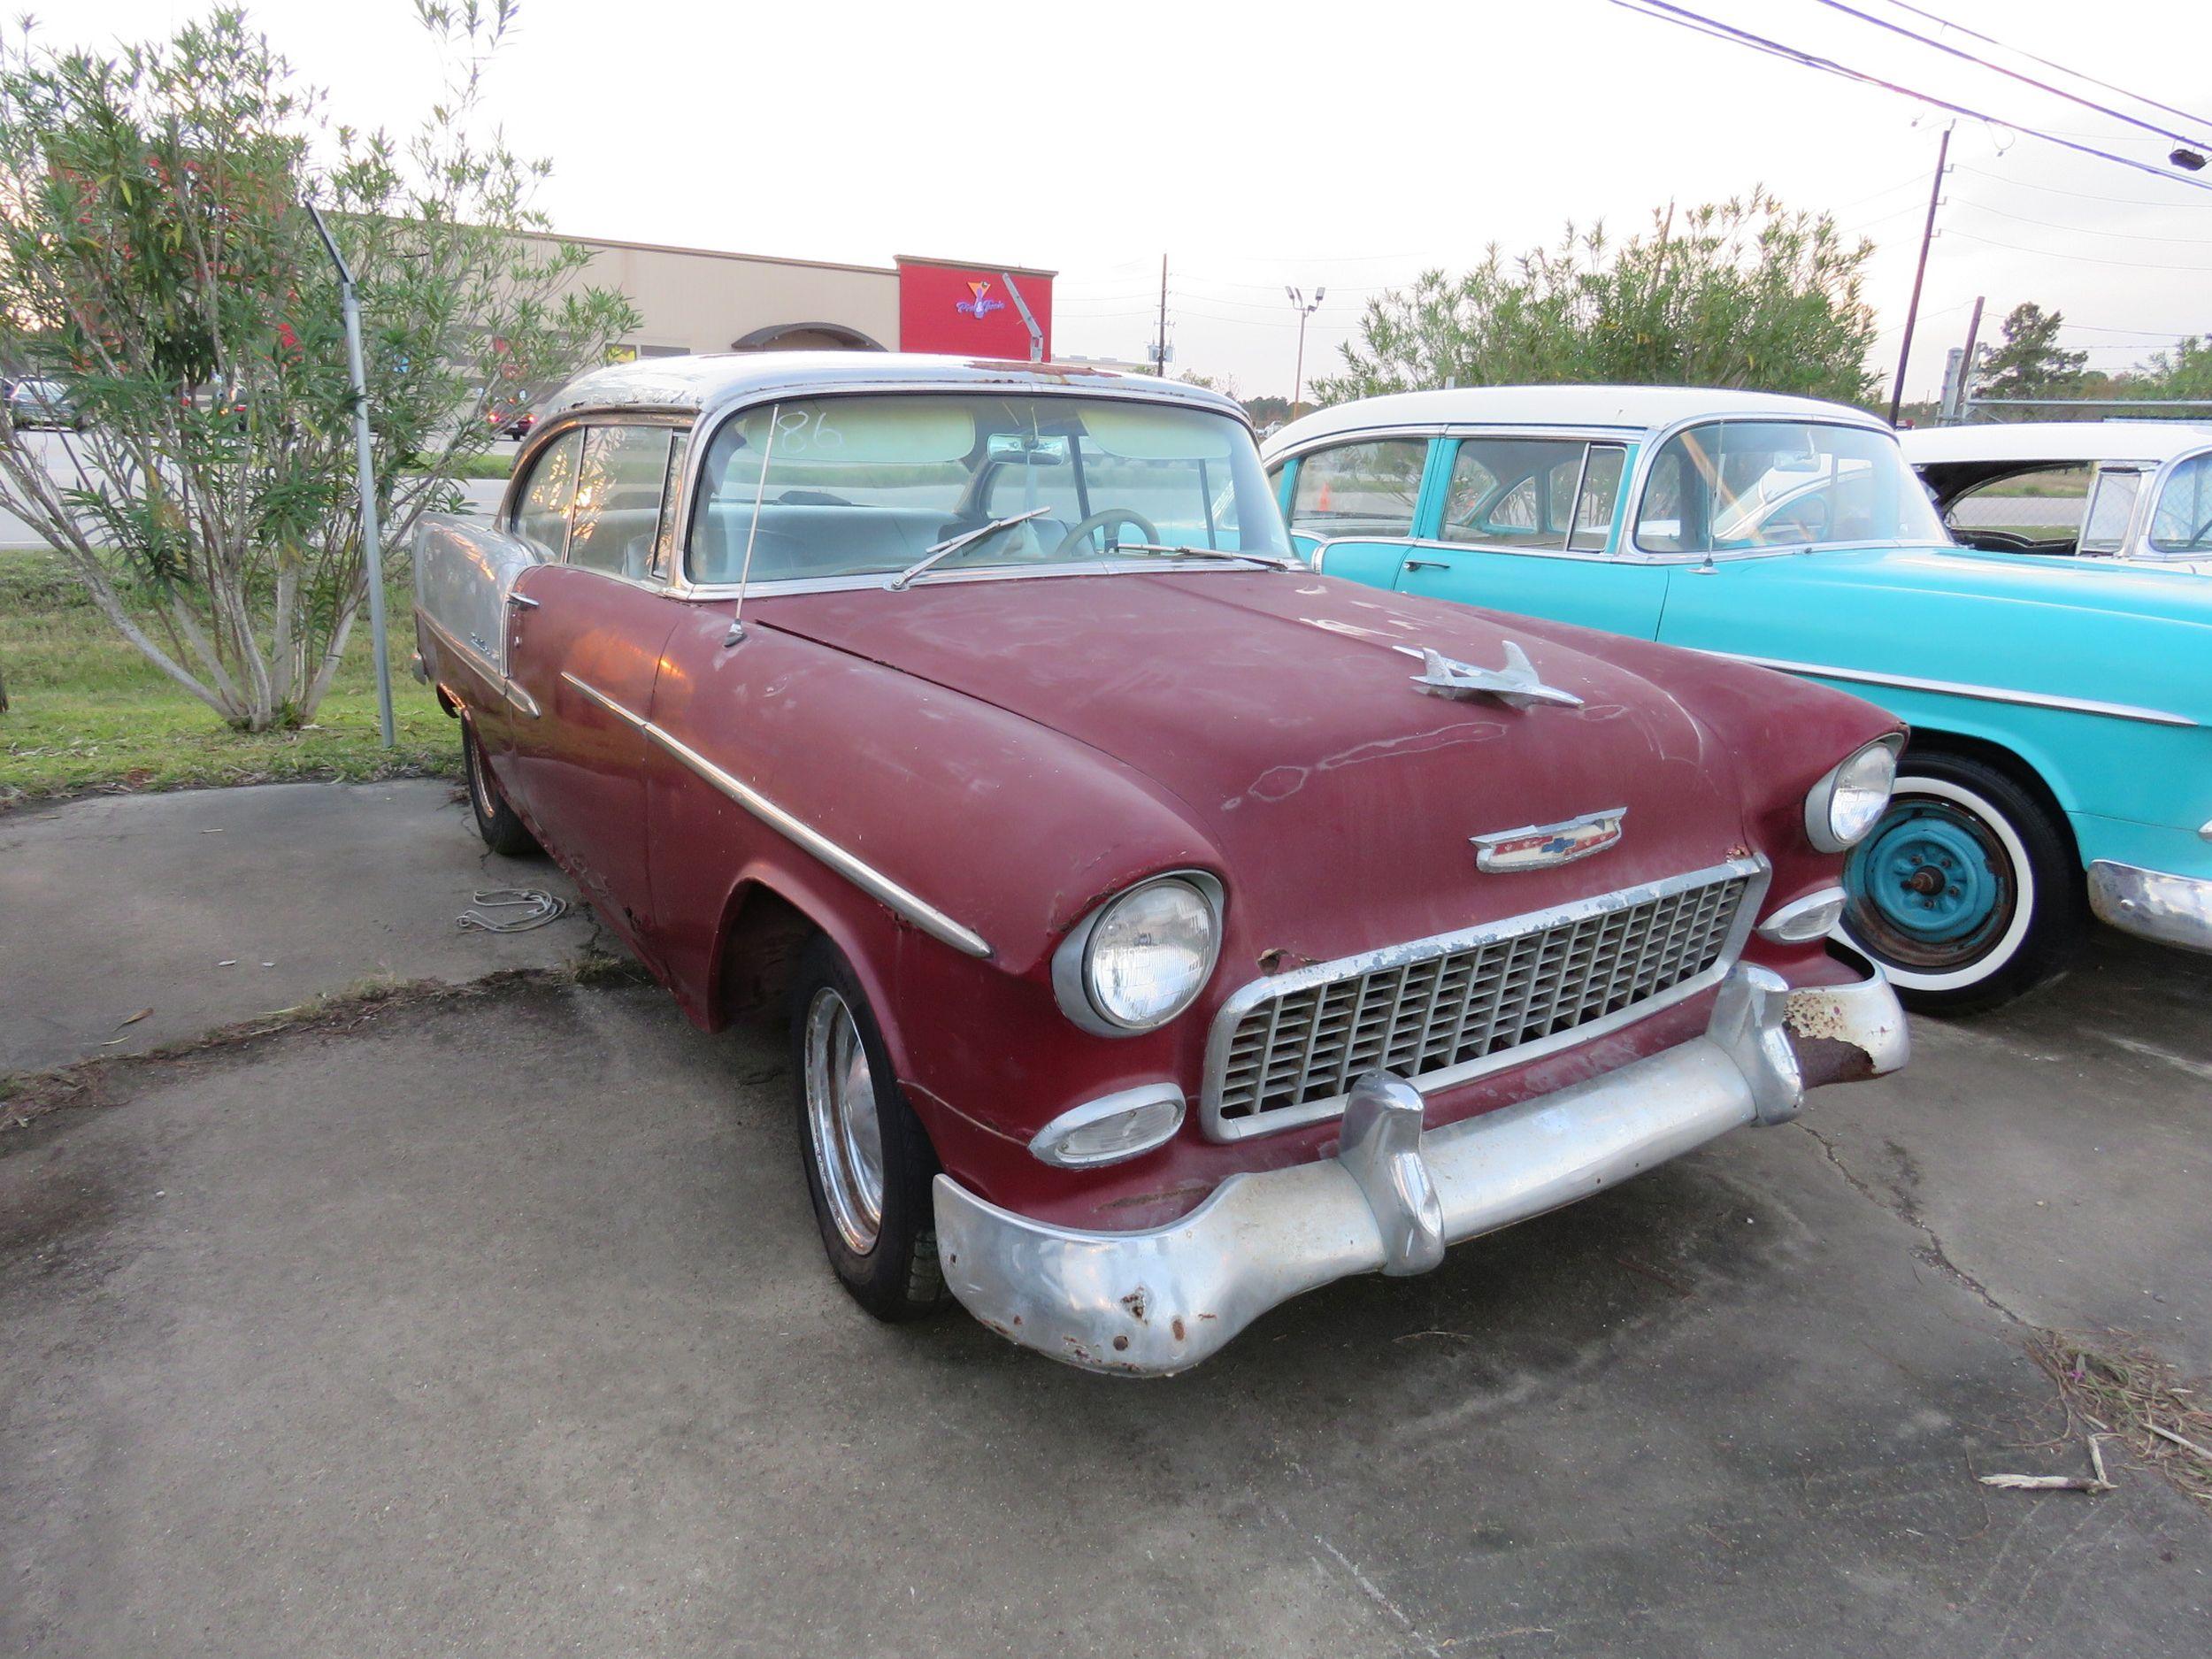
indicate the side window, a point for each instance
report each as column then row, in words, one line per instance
column 542, row 515
column 618, row 515
column 1359, row 489
column 2044, row 505
column 1514, row 492
column 2183, row 520
column 2112, row 504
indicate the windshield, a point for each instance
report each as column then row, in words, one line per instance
column 866, row 486
column 2182, row 523
column 1738, row 485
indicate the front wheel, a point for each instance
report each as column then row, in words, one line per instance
column 869, row 1162
column 1967, row 892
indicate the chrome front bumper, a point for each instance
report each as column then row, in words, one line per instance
column 2173, row 909
column 1158, row 1301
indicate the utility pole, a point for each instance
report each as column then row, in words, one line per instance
column 1159, row 343
column 364, row 473
column 1919, row 272
column 1298, row 378
column 1966, row 361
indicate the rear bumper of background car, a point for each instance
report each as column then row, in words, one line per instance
column 1158, row 1301
column 2173, row 909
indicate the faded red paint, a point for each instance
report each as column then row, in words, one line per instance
column 1015, row 751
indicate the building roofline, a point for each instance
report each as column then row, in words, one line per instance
column 710, row 253
column 972, row 264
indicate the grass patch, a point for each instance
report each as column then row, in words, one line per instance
column 88, row 713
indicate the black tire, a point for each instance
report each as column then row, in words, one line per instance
column 499, row 824
column 1959, row 831
column 894, row 1274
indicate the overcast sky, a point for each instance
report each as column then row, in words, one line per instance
column 1344, row 146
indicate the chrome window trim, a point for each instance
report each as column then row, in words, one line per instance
column 862, row 875
column 517, row 699
column 1753, row 872
column 879, row 580
column 706, row 422
column 1960, row 689
column 1571, row 432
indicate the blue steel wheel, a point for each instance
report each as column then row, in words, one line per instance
column 1967, row 892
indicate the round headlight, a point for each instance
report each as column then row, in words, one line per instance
column 1845, row 806
column 1149, row 952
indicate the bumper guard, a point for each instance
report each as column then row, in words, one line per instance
column 1158, row 1301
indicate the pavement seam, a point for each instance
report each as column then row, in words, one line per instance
column 1932, row 1251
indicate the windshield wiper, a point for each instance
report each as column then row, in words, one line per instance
column 945, row 549
column 1272, row 560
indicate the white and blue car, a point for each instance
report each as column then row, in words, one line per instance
column 2060, row 758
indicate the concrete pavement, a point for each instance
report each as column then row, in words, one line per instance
column 207, row 907
column 501, row 1326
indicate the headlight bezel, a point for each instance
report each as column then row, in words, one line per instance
column 1820, row 826
column 1074, row 986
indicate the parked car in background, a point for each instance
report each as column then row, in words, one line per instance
column 511, row 422
column 2061, row 760
column 1162, row 929
column 34, row 401
column 2136, row 490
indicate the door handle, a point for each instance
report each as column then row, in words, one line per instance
column 521, row 602
column 1426, row 564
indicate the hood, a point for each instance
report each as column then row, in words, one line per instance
column 1277, row 709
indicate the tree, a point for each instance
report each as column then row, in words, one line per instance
column 1741, row 293
column 2183, row 371
column 156, row 260
column 2029, row 363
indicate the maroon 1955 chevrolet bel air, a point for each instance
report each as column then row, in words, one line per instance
column 1163, row 929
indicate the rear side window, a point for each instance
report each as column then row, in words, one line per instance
column 1359, row 489
column 547, row 495
column 618, row 512
column 1539, row 493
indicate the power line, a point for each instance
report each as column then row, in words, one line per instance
column 2083, row 230
column 1991, row 40
column 2082, row 258
column 2041, row 86
column 1665, row 12
column 2053, row 190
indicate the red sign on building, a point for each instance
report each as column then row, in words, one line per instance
column 972, row 311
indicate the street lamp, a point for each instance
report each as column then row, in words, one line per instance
column 1305, row 310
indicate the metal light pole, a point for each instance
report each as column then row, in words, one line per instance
column 1298, row 378
column 364, row 473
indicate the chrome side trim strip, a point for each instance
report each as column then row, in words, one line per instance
column 1956, row 689
column 517, row 699
column 868, row 878
column 1754, row 871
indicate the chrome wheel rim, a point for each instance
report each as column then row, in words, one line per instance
column 480, row 776
column 842, row 1125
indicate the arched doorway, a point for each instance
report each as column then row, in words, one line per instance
column 805, row 337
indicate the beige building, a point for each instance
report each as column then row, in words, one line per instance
column 694, row 299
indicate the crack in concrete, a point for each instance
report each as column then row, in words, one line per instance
column 1932, row 1251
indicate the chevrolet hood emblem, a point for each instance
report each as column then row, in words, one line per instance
column 1516, row 685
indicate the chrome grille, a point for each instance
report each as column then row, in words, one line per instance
column 1450, row 1004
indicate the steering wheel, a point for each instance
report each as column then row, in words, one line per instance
column 1800, row 514
column 1099, row 520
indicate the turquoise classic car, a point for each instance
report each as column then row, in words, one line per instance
column 2061, row 757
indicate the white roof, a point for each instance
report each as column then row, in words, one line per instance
column 719, row 379
column 1636, row 409
column 2054, row 442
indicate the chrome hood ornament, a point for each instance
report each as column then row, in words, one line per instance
column 1543, row 846
column 1516, row 685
